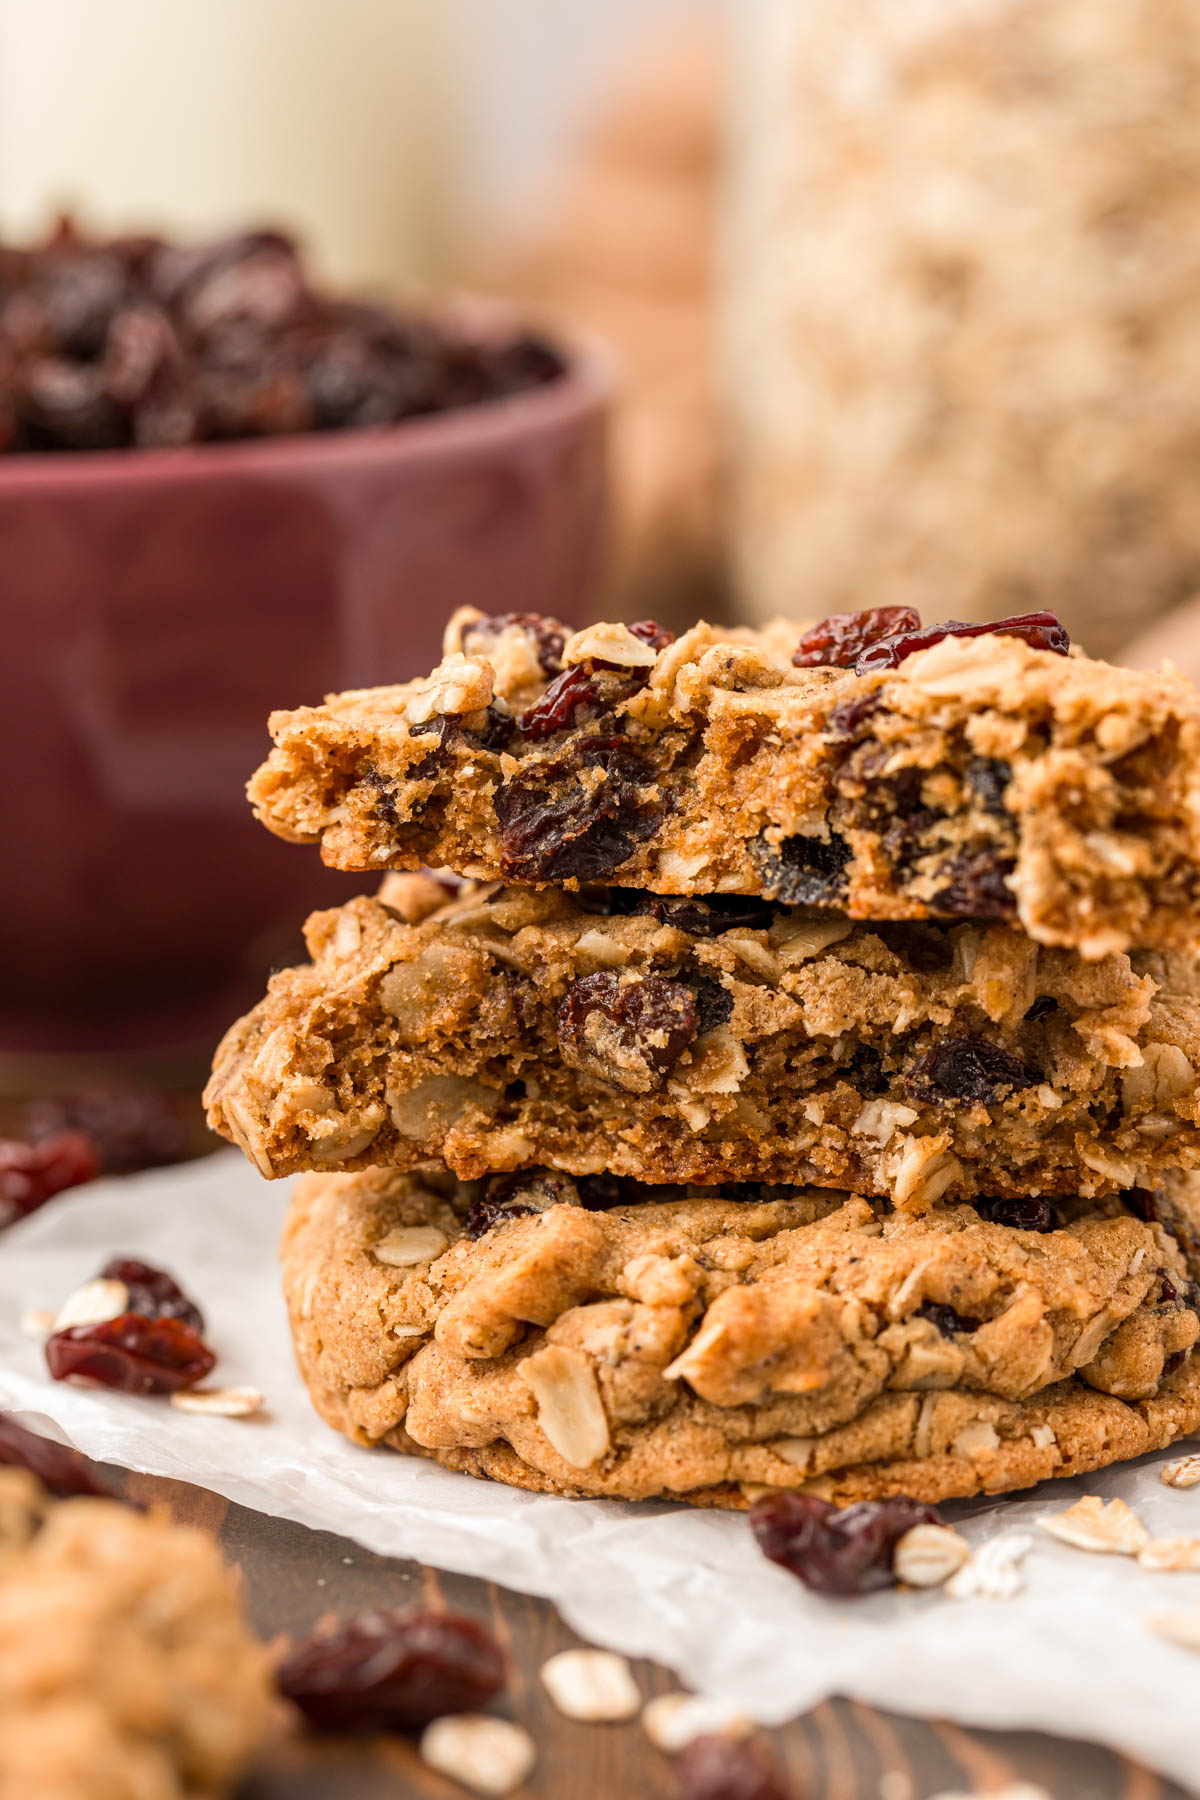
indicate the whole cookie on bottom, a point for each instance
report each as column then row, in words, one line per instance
column 594, row 1339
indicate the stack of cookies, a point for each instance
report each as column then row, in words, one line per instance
column 791, row 1083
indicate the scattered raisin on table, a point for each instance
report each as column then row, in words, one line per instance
column 393, row 1670
column 838, row 641
column 62, row 1472
column 31, row 1174
column 1040, row 630
column 132, row 1354
column 843, row 1552
column 153, row 1294
column 712, row 1767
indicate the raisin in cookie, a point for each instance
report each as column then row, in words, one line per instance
column 982, row 777
column 712, row 1039
column 585, row 1339
column 127, row 1671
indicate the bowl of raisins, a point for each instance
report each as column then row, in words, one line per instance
column 223, row 491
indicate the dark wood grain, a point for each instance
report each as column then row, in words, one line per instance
column 840, row 1751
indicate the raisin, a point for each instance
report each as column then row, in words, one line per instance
column 612, row 902
column 714, row 1003
column 1042, row 1007
column 925, row 948
column 969, row 1070
column 513, row 1197
column 153, row 1294
column 383, row 796
column 31, row 1174
column 836, row 1552
column 392, row 1671
column 708, row 915
column 977, row 888
column 483, row 1214
column 547, row 634
column 909, row 825
column 131, row 1128
column 849, row 717
column 701, row 915
column 1144, row 1203
column 139, row 342
column 1028, row 1213
column 947, row 1321
column 866, row 1072
column 599, row 1193
column 444, row 729
column 1172, row 1364
column 555, row 828
column 631, row 1033
column 523, row 995
column 62, row 1472
column 712, row 1767
column 745, row 1192
column 131, row 1353
column 1040, row 630
column 497, row 729
column 840, row 640
column 652, row 633
column 803, row 871
column 1168, row 1293
column 989, row 779
column 556, row 709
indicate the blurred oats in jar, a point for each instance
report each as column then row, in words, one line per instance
column 961, row 339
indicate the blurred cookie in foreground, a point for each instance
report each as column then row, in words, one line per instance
column 127, row 1670
column 707, row 1345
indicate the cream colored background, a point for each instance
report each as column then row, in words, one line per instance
column 393, row 134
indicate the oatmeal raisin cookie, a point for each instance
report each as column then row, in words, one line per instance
column 580, row 1340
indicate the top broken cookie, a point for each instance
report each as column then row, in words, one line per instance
column 969, row 776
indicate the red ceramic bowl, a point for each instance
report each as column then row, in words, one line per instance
column 158, row 604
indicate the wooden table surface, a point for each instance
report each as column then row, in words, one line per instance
column 840, row 1751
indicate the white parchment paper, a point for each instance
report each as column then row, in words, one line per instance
column 1071, row 1654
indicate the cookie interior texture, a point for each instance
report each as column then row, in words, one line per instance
column 707, row 1346
column 126, row 1664
column 712, row 1039
column 979, row 778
